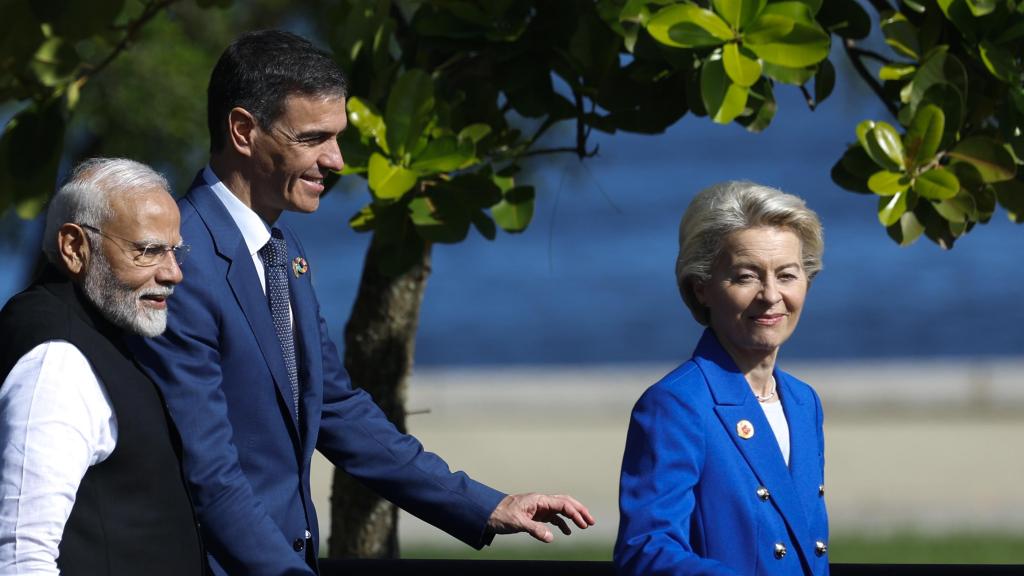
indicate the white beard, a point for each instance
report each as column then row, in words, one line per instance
column 118, row 303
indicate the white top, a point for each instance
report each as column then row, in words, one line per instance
column 55, row 421
column 777, row 420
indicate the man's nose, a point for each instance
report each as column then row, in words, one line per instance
column 330, row 157
column 169, row 270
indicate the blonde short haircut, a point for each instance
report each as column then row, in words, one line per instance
column 732, row 206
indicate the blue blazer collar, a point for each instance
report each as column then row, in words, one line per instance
column 735, row 403
column 245, row 284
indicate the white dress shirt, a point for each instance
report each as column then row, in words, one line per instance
column 55, row 421
column 254, row 230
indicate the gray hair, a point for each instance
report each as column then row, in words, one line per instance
column 87, row 196
column 730, row 207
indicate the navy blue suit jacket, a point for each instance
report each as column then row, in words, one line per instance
column 247, row 458
column 688, row 494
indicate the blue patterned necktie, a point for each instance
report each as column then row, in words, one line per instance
column 275, row 264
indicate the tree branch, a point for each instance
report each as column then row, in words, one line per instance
column 808, row 98
column 868, row 78
column 131, row 31
column 863, row 53
column 564, row 149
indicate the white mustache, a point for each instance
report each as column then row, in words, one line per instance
column 163, row 291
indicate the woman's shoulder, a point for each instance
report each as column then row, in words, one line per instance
column 685, row 384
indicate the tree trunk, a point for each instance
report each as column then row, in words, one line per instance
column 380, row 339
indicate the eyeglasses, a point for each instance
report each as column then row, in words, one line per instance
column 145, row 254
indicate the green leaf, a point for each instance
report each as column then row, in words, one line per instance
column 738, row 13
column 484, row 224
column 761, row 101
column 891, row 208
column 885, row 183
column 924, row 134
column 845, row 18
column 742, row 69
column 853, row 169
column 355, row 151
column 981, row 7
column 688, row 26
column 55, row 62
column 948, row 99
column 936, row 184
column 896, row 71
column 804, row 45
column 440, row 218
column 999, row 62
column 901, row 35
column 409, row 111
column 445, row 154
column 991, row 158
column 1011, row 197
column 363, row 221
column 389, row 182
column 939, row 67
column 768, row 28
column 824, row 81
column 515, row 211
column 959, row 209
column 475, row 132
column 723, row 99
column 368, row 121
column 907, row 230
column 801, row 12
column 882, row 144
column 794, row 76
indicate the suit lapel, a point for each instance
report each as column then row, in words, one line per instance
column 804, row 460
column 734, row 402
column 245, row 284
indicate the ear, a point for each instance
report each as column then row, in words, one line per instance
column 241, row 128
column 699, row 292
column 73, row 248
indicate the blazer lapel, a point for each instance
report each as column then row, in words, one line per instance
column 804, row 459
column 734, row 403
column 245, row 284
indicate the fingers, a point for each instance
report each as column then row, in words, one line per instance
column 558, row 521
column 538, row 531
column 571, row 508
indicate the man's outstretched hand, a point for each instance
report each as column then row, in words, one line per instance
column 531, row 513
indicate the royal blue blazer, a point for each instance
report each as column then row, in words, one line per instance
column 697, row 498
column 246, row 457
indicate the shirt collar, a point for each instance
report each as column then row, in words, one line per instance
column 254, row 230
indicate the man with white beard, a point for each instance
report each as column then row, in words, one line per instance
column 90, row 480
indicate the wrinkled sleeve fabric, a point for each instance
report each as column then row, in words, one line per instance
column 55, row 422
column 185, row 362
column 356, row 436
column 661, row 468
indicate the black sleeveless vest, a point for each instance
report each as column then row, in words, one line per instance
column 132, row 513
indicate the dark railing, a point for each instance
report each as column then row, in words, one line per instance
column 579, row 568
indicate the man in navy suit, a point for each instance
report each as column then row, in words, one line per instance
column 248, row 371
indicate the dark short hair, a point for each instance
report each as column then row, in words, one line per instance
column 262, row 68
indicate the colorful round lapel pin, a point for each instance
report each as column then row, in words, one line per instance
column 299, row 266
column 745, row 429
